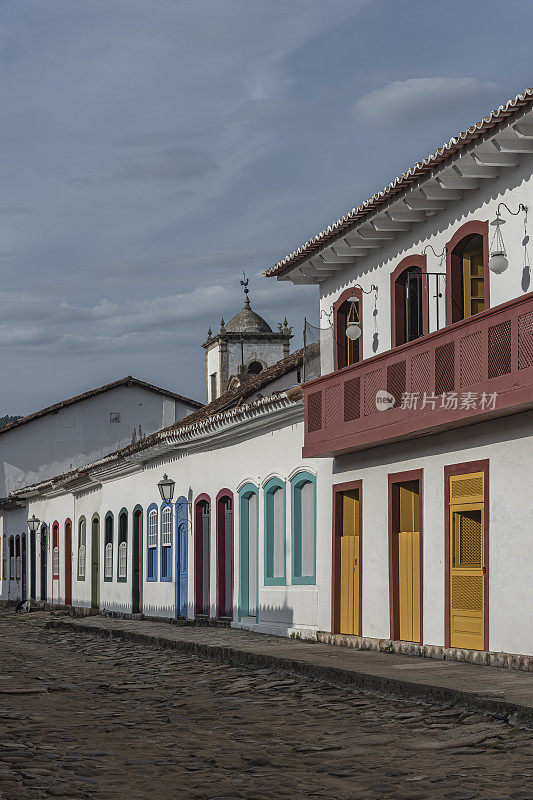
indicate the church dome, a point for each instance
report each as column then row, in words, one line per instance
column 247, row 321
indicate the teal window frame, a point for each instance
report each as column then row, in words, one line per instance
column 120, row 534
column 297, row 482
column 244, row 497
column 268, row 490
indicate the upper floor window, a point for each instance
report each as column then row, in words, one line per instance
column 81, row 549
column 467, row 272
column 409, row 300
column 348, row 348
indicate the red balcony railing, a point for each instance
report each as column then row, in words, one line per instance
column 476, row 369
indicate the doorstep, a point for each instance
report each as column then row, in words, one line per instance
column 505, row 693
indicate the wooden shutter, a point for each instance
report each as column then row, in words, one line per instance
column 467, row 568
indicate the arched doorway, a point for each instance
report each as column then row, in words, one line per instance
column 201, row 554
column 68, row 563
column 44, row 565
column 248, row 564
column 33, row 576
column 225, row 553
column 182, row 530
column 24, row 576
column 137, row 578
column 95, row 562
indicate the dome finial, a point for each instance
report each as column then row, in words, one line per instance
column 245, row 283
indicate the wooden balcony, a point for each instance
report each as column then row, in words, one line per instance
column 487, row 358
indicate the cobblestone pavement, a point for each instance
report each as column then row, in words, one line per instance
column 112, row 719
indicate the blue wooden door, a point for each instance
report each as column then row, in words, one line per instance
column 182, row 530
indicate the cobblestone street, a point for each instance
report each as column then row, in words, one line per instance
column 82, row 716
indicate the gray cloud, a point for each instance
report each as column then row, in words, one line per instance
column 414, row 99
column 15, row 211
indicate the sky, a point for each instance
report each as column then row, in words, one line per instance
column 151, row 150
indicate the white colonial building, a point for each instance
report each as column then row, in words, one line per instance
column 392, row 502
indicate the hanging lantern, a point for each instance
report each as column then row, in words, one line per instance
column 166, row 489
column 353, row 328
column 498, row 257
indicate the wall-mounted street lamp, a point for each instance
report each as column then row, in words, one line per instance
column 498, row 262
column 166, row 488
column 33, row 523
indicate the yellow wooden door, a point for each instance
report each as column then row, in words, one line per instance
column 473, row 283
column 467, row 567
column 409, row 562
column 350, row 565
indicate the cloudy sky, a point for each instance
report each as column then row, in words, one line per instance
column 153, row 149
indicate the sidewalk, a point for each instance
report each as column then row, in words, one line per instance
column 490, row 689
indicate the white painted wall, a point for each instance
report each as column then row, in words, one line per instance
column 81, row 433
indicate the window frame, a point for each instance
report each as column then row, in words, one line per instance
column 268, row 491
column 122, row 539
column 151, row 550
column 297, row 481
column 109, row 524
column 468, row 230
column 55, row 550
column 4, row 557
column 166, row 549
column 409, row 262
column 340, row 317
column 82, row 544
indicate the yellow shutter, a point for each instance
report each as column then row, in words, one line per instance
column 409, row 562
column 473, row 283
column 350, row 565
column 467, row 566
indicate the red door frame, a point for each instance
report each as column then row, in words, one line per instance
column 450, row 471
column 198, row 553
column 221, row 550
column 338, row 489
column 68, row 562
column 394, row 608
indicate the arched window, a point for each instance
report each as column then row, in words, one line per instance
column 303, row 518
column 11, row 558
column 55, row 550
column 151, row 570
column 108, row 547
column 255, row 367
column 467, row 272
column 409, row 300
column 274, row 493
column 166, row 543
column 122, row 574
column 348, row 351
column 82, row 549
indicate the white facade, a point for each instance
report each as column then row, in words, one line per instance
column 82, row 432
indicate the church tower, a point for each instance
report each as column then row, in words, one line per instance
column 244, row 346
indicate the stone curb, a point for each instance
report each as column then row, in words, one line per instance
column 405, row 690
